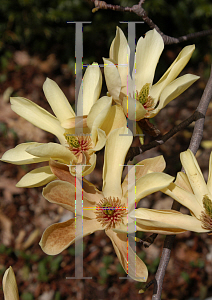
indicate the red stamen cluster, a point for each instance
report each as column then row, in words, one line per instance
column 110, row 212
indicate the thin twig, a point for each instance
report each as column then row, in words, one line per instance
column 194, row 146
column 139, row 11
column 134, row 151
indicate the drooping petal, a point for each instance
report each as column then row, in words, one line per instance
column 133, row 109
column 60, row 236
column 151, row 183
column 117, row 119
column 63, row 193
column 37, row 177
column 37, row 116
column 209, row 183
column 57, row 100
column 148, row 52
column 9, row 285
column 90, row 89
column 166, row 221
column 19, row 156
column 173, row 71
column 112, row 78
column 54, row 151
column 155, row 164
column 173, row 90
column 117, row 146
column 185, row 198
column 90, row 191
column 131, row 263
column 194, row 174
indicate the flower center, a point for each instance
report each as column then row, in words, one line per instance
column 206, row 216
column 145, row 99
column 110, row 212
column 79, row 144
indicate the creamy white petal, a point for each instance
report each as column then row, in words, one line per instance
column 90, row 89
column 131, row 263
column 148, row 52
column 37, row 116
column 117, row 146
column 194, row 174
column 185, row 198
column 112, row 78
column 167, row 219
column 209, row 184
column 120, row 53
column 9, row 285
column 173, row 71
column 37, row 177
column 19, row 156
column 173, row 90
column 57, row 100
column 54, row 151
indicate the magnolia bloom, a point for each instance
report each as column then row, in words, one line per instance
column 150, row 99
column 106, row 209
column 9, row 284
column 73, row 148
column 190, row 190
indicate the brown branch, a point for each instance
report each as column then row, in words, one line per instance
column 134, row 151
column 139, row 11
column 194, row 145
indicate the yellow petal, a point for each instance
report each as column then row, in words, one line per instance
column 131, row 263
column 90, row 89
column 19, row 156
column 166, row 221
column 155, row 164
column 76, row 122
column 64, row 193
column 37, row 116
column 185, row 198
column 101, row 140
column 209, row 184
column 60, row 236
column 151, row 183
column 9, row 284
column 173, row 71
column 194, row 174
column 133, row 109
column 57, row 100
column 37, row 177
column 112, row 78
column 102, row 104
column 116, row 119
column 54, row 151
column 148, row 52
column 182, row 181
column 120, row 54
column 116, row 149
column 173, row 90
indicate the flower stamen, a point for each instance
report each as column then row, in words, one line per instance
column 110, row 212
column 206, row 216
column 79, row 144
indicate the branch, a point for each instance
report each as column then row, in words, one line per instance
column 133, row 151
column 194, row 145
column 139, row 11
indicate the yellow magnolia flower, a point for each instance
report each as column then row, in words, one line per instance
column 191, row 191
column 73, row 149
column 108, row 209
column 150, row 99
column 9, row 284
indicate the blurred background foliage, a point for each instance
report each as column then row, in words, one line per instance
column 40, row 26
